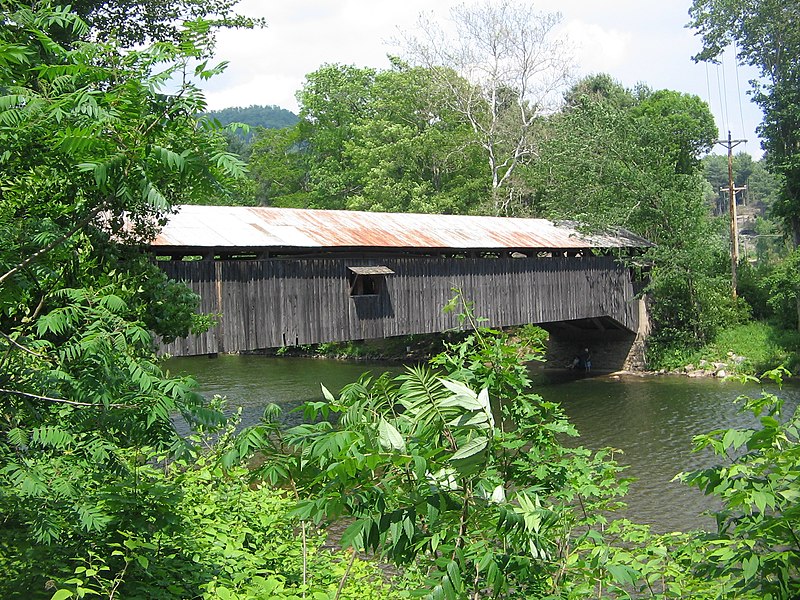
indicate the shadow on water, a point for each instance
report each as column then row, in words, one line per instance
column 651, row 420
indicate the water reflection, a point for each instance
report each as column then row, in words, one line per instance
column 652, row 420
column 253, row 382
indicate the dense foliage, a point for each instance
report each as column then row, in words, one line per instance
column 459, row 474
column 765, row 35
column 471, row 488
column 93, row 154
column 756, row 543
column 630, row 158
column 370, row 140
column 761, row 187
column 132, row 23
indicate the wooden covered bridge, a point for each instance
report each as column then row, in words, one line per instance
column 276, row 277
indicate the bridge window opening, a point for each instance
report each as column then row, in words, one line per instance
column 368, row 281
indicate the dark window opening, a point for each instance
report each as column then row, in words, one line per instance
column 365, row 285
column 368, row 281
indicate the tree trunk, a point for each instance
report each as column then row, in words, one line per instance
column 795, row 225
column 798, row 313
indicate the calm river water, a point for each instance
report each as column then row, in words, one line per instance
column 650, row 419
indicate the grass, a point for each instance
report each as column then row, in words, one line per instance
column 761, row 346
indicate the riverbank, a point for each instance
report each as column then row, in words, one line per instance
column 745, row 349
column 748, row 349
column 403, row 349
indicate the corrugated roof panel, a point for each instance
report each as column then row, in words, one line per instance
column 268, row 227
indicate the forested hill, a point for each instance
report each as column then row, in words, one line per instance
column 269, row 117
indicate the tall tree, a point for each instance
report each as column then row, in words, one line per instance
column 94, row 153
column 372, row 139
column 278, row 166
column 334, row 98
column 135, row 22
column 509, row 66
column 766, row 34
column 615, row 157
column 411, row 152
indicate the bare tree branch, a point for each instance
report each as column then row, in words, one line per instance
column 62, row 400
column 502, row 68
column 20, row 346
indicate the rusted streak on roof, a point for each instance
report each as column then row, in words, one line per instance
column 267, row 227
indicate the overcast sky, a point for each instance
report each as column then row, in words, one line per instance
column 632, row 40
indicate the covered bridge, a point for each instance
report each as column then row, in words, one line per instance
column 276, row 276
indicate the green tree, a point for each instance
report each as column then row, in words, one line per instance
column 411, row 153
column 600, row 87
column 371, row 140
column 783, row 283
column 715, row 168
column 279, row 167
column 94, row 155
column 763, row 188
column 135, row 22
column 615, row 157
column 681, row 124
column 766, row 36
column 333, row 100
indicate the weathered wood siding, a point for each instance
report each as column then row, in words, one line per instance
column 277, row 302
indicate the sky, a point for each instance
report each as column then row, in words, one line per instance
column 632, row 40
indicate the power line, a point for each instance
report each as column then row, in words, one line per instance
column 725, row 89
column 738, row 87
column 721, row 104
column 708, row 89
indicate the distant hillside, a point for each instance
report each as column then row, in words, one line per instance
column 269, row 117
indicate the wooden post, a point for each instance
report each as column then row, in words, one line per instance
column 732, row 210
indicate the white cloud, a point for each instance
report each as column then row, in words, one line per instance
column 598, row 49
column 631, row 40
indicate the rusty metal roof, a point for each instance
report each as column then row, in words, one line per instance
column 238, row 227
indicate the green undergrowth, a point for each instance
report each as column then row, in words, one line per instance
column 198, row 530
column 405, row 348
column 420, row 472
column 747, row 349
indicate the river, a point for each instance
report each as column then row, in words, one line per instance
column 650, row 419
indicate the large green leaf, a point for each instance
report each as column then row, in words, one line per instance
column 389, row 437
column 471, row 448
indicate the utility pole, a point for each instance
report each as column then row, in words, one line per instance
column 729, row 143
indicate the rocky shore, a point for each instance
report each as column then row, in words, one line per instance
column 706, row 368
